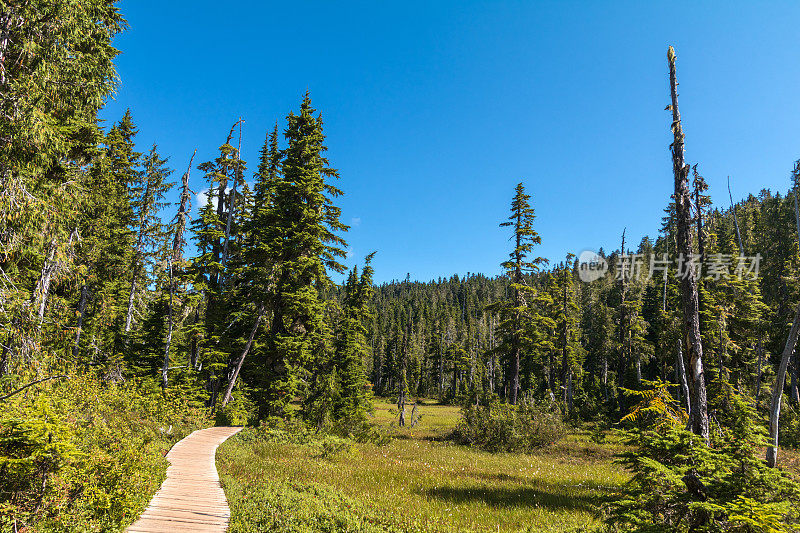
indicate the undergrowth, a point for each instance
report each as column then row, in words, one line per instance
column 498, row 426
column 83, row 455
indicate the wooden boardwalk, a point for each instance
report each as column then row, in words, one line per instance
column 191, row 498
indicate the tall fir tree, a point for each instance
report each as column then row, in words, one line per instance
column 520, row 326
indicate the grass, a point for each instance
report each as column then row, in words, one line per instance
column 418, row 482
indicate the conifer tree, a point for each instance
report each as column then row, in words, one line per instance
column 520, row 321
column 567, row 321
column 148, row 201
column 352, row 349
column 304, row 245
column 209, row 272
column 175, row 264
column 108, row 238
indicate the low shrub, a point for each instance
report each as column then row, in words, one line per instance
column 499, row 426
column 290, row 507
column 84, row 455
column 294, row 431
column 238, row 412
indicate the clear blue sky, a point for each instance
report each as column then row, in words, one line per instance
column 435, row 110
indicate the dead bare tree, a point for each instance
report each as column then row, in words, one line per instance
column 414, row 415
column 759, row 371
column 232, row 206
column 735, row 219
column 680, row 374
column 401, row 405
column 683, row 213
column 236, row 367
column 176, row 257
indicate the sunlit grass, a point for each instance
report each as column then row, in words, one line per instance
column 416, row 483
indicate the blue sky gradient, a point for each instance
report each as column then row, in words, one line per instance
column 435, row 110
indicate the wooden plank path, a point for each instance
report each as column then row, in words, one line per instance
column 191, row 498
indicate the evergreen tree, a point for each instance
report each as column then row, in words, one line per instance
column 305, row 244
column 519, row 329
column 148, row 201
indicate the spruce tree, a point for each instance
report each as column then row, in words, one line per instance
column 520, row 323
column 304, row 245
column 352, row 349
column 148, row 200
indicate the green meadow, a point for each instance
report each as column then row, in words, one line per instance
column 419, row 481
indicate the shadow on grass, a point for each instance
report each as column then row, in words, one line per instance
column 548, row 496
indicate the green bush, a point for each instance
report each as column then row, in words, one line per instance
column 680, row 484
column 499, row 426
column 83, row 455
column 238, row 412
column 789, row 432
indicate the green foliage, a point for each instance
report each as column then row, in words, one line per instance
column 680, row 484
column 85, row 456
column 655, row 406
column 238, row 412
column 498, row 426
column 523, row 325
column 297, row 507
column 789, row 427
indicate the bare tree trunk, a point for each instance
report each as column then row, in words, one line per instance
column 5, row 30
column 760, row 366
column 5, row 359
column 237, row 365
column 680, row 372
column 401, row 407
column 176, row 257
column 689, row 296
column 168, row 342
column 793, row 392
column 79, row 326
column 414, row 417
column 232, row 207
column 51, row 267
column 131, row 300
column 42, row 290
column 735, row 219
column 777, row 391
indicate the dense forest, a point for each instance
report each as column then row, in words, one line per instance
column 618, row 331
column 230, row 310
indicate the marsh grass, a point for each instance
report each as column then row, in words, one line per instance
column 418, row 482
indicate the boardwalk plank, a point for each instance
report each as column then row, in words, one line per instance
column 191, row 498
